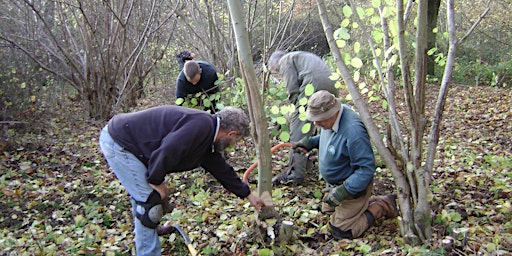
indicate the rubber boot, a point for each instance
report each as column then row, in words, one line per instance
column 383, row 206
column 298, row 164
column 291, row 175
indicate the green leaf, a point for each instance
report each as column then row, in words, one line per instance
column 375, row 3
column 334, row 76
column 274, row 110
column 386, row 12
column 309, row 90
column 431, row 51
column 370, row 12
column 357, row 47
column 375, row 20
column 378, row 36
column 302, row 113
column 179, row 101
column 455, row 216
column 303, row 101
column 306, row 128
column 360, row 12
column 287, row 109
column 385, row 104
column 347, row 11
column 341, row 33
column 345, row 23
column 356, row 62
column 264, row 252
column 356, row 76
column 341, row 43
column 281, row 120
column 284, row 136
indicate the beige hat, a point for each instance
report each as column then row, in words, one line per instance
column 322, row 105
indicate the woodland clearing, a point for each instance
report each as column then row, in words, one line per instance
column 59, row 198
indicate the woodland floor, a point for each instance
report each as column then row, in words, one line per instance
column 58, row 197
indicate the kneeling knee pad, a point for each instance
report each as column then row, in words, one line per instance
column 153, row 210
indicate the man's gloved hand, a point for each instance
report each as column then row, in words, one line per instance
column 335, row 195
column 302, row 144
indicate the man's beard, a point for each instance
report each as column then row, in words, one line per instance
column 221, row 145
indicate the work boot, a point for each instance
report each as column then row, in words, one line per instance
column 383, row 206
column 289, row 176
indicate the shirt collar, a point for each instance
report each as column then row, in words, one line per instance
column 217, row 129
column 336, row 125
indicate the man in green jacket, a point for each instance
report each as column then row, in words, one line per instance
column 347, row 165
column 297, row 70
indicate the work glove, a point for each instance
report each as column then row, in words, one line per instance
column 335, row 195
column 302, row 144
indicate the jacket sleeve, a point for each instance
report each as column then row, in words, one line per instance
column 226, row 175
column 181, row 86
column 314, row 141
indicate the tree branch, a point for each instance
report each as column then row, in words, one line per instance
column 484, row 13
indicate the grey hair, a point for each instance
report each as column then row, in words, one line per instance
column 273, row 60
column 234, row 119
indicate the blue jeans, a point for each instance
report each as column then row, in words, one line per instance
column 131, row 172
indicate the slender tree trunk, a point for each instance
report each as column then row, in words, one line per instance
column 254, row 98
column 404, row 193
column 433, row 11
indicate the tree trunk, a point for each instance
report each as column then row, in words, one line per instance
column 422, row 210
column 433, row 11
column 254, row 98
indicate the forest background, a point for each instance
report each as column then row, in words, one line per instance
column 68, row 66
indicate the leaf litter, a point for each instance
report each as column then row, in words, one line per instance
column 59, row 198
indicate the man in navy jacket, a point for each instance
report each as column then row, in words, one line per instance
column 197, row 77
column 143, row 147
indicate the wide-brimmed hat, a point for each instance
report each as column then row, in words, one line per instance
column 322, row 105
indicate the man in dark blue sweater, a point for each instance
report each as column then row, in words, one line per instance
column 198, row 77
column 346, row 162
column 143, row 147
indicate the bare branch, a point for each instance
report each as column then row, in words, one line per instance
column 484, row 13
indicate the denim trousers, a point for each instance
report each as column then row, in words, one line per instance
column 131, row 172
